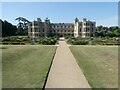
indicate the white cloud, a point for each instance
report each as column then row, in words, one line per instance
column 113, row 21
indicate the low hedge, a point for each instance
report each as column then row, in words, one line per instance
column 93, row 41
column 49, row 41
column 105, row 42
column 78, row 41
column 45, row 41
column 16, row 39
column 22, row 40
column 13, row 43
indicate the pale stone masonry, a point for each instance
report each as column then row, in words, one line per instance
column 84, row 28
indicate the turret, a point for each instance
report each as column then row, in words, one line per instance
column 47, row 20
column 39, row 20
column 76, row 27
column 76, row 20
column 84, row 19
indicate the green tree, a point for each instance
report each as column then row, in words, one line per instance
column 22, row 26
column 113, row 28
column 8, row 29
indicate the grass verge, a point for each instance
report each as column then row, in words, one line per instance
column 26, row 66
column 99, row 64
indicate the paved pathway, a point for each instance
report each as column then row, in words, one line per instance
column 65, row 72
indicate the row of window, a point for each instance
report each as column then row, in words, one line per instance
column 88, row 24
column 87, row 34
column 66, row 26
column 88, row 29
column 37, row 34
column 85, row 30
column 62, row 30
column 37, row 30
column 63, row 26
column 63, row 34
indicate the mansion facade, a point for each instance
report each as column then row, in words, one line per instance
column 84, row 28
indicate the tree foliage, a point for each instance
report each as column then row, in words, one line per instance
column 113, row 31
column 8, row 29
column 22, row 26
column 11, row 30
column 22, row 22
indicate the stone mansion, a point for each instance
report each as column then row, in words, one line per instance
column 84, row 28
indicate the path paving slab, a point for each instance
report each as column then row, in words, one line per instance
column 65, row 72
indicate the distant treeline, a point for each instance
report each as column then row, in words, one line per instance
column 11, row 30
column 113, row 31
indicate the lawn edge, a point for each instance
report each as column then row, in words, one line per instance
column 46, row 77
column 80, row 67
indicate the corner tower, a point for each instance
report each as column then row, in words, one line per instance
column 76, row 27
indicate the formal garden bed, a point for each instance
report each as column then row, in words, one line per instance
column 23, row 40
column 93, row 41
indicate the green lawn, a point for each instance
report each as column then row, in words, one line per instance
column 99, row 64
column 26, row 66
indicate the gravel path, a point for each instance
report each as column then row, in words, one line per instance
column 65, row 72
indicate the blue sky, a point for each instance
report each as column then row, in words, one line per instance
column 104, row 13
